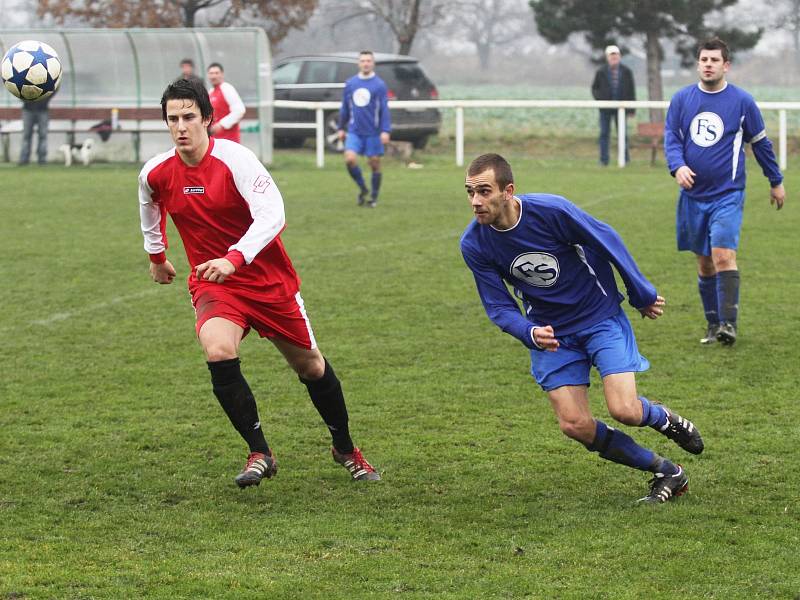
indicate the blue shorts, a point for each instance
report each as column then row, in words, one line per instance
column 366, row 145
column 608, row 345
column 701, row 226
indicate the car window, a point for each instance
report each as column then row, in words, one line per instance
column 403, row 74
column 345, row 71
column 286, row 74
column 318, row 71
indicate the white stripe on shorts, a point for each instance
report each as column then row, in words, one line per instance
column 299, row 299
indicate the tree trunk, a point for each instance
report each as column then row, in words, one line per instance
column 655, row 88
column 405, row 45
column 189, row 11
column 484, row 55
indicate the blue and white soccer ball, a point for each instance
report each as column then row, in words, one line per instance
column 31, row 70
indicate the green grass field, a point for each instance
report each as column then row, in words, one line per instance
column 117, row 464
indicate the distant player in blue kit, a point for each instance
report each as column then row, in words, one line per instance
column 558, row 259
column 364, row 115
column 706, row 128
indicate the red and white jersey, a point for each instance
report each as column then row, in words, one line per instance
column 227, row 206
column 228, row 111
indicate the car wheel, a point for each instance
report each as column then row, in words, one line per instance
column 332, row 141
column 420, row 142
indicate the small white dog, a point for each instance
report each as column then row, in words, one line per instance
column 78, row 151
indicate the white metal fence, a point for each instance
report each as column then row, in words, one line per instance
column 461, row 105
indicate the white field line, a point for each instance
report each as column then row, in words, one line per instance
column 117, row 300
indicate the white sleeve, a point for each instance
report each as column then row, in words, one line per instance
column 255, row 185
column 235, row 105
column 150, row 215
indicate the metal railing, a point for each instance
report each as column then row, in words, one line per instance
column 461, row 105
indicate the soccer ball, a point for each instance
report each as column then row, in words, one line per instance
column 31, row 70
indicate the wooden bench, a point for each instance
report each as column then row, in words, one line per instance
column 654, row 131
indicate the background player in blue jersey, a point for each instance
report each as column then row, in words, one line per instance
column 365, row 115
column 704, row 135
column 558, row 260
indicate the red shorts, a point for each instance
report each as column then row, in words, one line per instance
column 286, row 319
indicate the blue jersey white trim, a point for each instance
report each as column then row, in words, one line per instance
column 365, row 110
column 558, row 259
column 706, row 131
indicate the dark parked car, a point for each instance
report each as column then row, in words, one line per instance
column 321, row 77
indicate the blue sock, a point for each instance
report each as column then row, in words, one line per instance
column 620, row 448
column 376, row 184
column 358, row 177
column 653, row 415
column 708, row 296
column 728, row 295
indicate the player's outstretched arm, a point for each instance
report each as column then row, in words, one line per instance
column 777, row 195
column 162, row 273
column 655, row 310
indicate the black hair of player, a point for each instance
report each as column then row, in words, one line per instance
column 370, row 52
column 188, row 89
column 217, row 65
column 715, row 44
column 187, row 61
column 502, row 170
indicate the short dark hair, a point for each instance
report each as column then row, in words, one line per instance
column 187, row 61
column 502, row 170
column 714, row 44
column 188, row 89
column 370, row 52
column 212, row 65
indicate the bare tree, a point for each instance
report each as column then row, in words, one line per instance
column 276, row 16
column 405, row 18
column 488, row 24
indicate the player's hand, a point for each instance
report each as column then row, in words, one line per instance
column 216, row 270
column 162, row 273
column 655, row 310
column 384, row 137
column 545, row 338
column 685, row 177
column 776, row 196
column 341, row 135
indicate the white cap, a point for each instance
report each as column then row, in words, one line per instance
column 612, row 49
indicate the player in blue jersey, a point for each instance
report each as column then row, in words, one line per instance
column 704, row 135
column 364, row 115
column 559, row 261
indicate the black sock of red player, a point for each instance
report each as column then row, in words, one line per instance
column 233, row 393
column 328, row 398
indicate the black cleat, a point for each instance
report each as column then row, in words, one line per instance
column 360, row 469
column 362, row 196
column 682, row 432
column 665, row 487
column 726, row 334
column 373, row 203
column 258, row 466
column 711, row 334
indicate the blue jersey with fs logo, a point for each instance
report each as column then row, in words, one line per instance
column 558, row 260
column 706, row 131
column 364, row 109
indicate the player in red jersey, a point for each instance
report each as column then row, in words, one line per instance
column 227, row 104
column 229, row 214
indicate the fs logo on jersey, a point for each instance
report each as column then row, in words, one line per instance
column 194, row 189
column 261, row 184
column 538, row 269
column 361, row 97
column 706, row 129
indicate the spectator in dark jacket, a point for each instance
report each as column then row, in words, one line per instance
column 34, row 114
column 613, row 81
